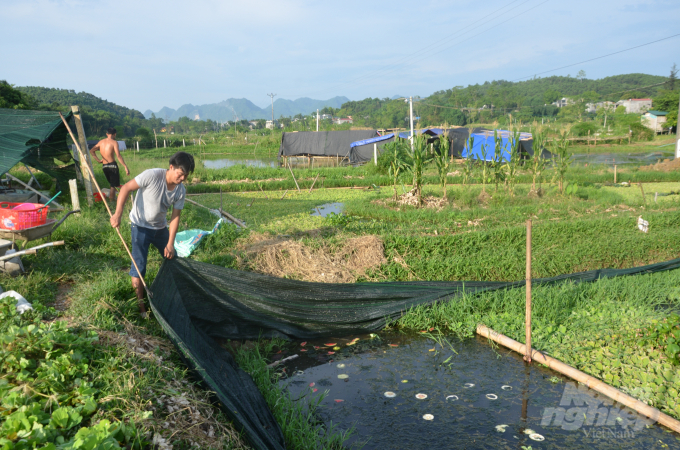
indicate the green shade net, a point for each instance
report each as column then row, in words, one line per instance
column 38, row 139
column 197, row 304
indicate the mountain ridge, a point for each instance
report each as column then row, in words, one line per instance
column 243, row 108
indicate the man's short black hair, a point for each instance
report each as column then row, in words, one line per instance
column 184, row 161
column 111, row 131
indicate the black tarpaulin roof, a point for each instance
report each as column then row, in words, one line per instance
column 322, row 143
column 37, row 138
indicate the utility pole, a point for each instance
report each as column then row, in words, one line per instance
column 317, row 119
column 272, row 96
column 410, row 99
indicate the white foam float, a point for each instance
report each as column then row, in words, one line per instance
column 501, row 428
column 340, row 366
column 343, row 376
column 428, row 417
column 299, row 372
column 421, row 396
column 390, row 394
column 492, row 396
column 536, row 437
column 469, row 385
column 506, row 388
column 453, row 397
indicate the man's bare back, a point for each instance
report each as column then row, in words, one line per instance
column 108, row 148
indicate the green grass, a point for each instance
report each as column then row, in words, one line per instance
column 466, row 240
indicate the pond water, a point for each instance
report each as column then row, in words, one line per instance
column 621, row 158
column 412, row 392
column 249, row 162
column 328, row 208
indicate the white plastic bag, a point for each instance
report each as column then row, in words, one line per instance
column 643, row 225
column 22, row 304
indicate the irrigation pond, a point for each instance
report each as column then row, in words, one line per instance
column 427, row 392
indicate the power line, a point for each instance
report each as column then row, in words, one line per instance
column 600, row 57
column 429, row 48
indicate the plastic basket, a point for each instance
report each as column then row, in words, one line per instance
column 12, row 219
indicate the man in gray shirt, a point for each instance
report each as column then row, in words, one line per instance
column 158, row 189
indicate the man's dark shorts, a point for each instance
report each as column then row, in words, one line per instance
column 111, row 173
column 142, row 238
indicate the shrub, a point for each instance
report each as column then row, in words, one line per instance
column 581, row 129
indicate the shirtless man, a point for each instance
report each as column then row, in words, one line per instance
column 108, row 147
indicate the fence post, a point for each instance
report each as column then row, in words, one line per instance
column 87, row 178
column 75, row 202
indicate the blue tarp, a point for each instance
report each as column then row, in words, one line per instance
column 371, row 140
column 187, row 241
column 487, row 139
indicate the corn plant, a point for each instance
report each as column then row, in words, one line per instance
column 560, row 148
column 469, row 166
column 485, row 166
column 497, row 168
column 537, row 163
column 397, row 163
column 418, row 155
column 441, row 159
column 512, row 166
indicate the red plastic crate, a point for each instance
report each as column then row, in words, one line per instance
column 11, row 219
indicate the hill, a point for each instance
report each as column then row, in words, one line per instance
column 56, row 98
column 525, row 100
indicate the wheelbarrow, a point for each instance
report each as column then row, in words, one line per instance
column 33, row 233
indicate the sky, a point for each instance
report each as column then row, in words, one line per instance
column 149, row 54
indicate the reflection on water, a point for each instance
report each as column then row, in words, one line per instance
column 476, row 398
column 229, row 162
column 328, row 208
column 621, row 158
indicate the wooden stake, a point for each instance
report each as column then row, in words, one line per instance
column 284, row 194
column 291, row 172
column 644, row 200
column 527, row 355
column 84, row 161
column 75, row 201
column 575, row 374
column 614, row 173
column 80, row 152
column 310, row 189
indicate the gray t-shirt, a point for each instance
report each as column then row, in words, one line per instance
column 153, row 199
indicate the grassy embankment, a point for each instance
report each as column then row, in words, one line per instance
column 595, row 327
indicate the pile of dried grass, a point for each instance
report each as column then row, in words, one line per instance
column 411, row 198
column 667, row 165
column 286, row 257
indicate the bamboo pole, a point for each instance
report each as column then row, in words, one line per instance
column 575, row 374
column 284, row 194
column 644, row 200
column 224, row 213
column 291, row 172
column 94, row 180
column 75, row 202
column 310, row 189
column 614, row 173
column 527, row 319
